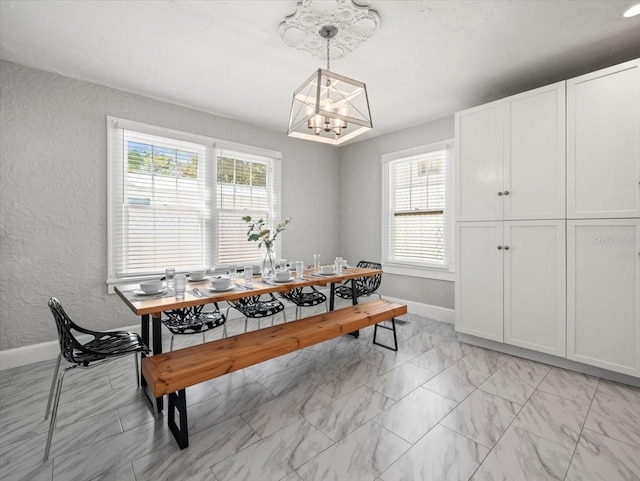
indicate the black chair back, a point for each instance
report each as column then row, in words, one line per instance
column 68, row 343
column 368, row 285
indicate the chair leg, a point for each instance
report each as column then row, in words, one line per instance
column 171, row 344
column 284, row 316
column 54, row 413
column 203, row 338
column 53, row 384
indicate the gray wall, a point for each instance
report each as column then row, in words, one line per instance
column 53, row 195
column 360, row 230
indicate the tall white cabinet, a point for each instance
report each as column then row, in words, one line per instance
column 548, row 219
column 603, row 143
column 603, row 293
column 510, row 236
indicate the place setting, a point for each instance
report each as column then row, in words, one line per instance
column 151, row 289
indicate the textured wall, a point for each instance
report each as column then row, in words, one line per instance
column 361, row 208
column 53, row 195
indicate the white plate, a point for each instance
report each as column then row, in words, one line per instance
column 205, row 278
column 222, row 290
column 140, row 292
column 329, row 274
column 282, row 282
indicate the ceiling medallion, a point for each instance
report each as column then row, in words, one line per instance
column 355, row 24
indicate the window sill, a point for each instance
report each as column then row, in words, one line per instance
column 422, row 272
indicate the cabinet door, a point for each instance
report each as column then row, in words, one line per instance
column 534, row 155
column 535, row 285
column 603, row 293
column 603, row 143
column 479, row 163
column 479, row 279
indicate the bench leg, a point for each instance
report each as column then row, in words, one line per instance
column 392, row 328
column 178, row 406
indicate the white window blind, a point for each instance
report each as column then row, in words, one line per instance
column 246, row 185
column 169, row 206
column 417, row 224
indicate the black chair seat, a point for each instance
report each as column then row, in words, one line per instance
column 192, row 320
column 255, row 308
column 112, row 344
column 304, row 299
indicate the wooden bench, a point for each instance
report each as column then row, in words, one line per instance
column 170, row 373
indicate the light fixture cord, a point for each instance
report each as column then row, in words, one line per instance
column 328, row 58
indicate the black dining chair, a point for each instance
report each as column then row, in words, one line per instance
column 253, row 307
column 191, row 320
column 304, row 299
column 365, row 286
column 101, row 347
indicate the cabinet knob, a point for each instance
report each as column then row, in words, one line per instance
column 506, row 192
column 499, row 194
column 506, row 248
column 499, row 248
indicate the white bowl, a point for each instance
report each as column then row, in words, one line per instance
column 282, row 275
column 257, row 268
column 221, row 283
column 150, row 287
column 197, row 275
column 328, row 269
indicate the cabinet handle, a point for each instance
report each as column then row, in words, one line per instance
column 499, row 194
column 506, row 192
column 506, row 248
column 499, row 248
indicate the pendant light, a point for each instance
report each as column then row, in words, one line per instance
column 329, row 107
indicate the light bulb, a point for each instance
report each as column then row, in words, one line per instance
column 632, row 11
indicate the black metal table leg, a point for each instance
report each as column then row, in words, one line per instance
column 332, row 296
column 178, row 408
column 156, row 347
column 392, row 328
column 144, row 329
column 354, row 301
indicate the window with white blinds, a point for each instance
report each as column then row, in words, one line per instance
column 246, row 185
column 417, row 224
column 177, row 200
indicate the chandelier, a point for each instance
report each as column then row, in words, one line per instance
column 329, row 107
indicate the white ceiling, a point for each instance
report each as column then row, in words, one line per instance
column 427, row 60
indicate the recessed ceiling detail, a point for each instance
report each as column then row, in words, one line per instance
column 355, row 24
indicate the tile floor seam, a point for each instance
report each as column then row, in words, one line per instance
column 500, row 437
column 575, row 449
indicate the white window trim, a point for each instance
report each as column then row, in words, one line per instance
column 407, row 269
column 213, row 145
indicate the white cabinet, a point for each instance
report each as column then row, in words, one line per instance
column 603, row 293
column 479, row 281
column 511, row 283
column 603, row 143
column 535, row 285
column 479, row 159
column 510, row 158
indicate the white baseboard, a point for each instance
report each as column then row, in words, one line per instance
column 427, row 310
column 46, row 351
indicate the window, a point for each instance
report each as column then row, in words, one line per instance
column 245, row 186
column 418, row 219
column 177, row 200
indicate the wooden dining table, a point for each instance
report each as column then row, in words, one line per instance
column 150, row 308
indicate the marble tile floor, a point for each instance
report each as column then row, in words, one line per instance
column 342, row 410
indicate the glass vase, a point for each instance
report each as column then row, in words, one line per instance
column 268, row 264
